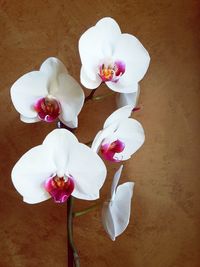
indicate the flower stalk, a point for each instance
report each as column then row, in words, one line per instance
column 90, row 96
column 85, row 211
column 73, row 258
column 98, row 97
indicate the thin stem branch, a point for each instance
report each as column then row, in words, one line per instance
column 85, row 211
column 73, row 258
column 100, row 97
column 90, row 96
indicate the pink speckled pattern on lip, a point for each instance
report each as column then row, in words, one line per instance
column 59, row 188
column 48, row 109
column 108, row 150
column 112, row 72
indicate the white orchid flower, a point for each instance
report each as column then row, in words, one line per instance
column 107, row 55
column 120, row 137
column 48, row 94
column 116, row 212
column 58, row 168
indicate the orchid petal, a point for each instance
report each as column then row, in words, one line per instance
column 36, row 198
column 90, row 52
column 109, row 31
column 115, row 182
column 97, row 142
column 87, row 82
column 120, row 209
column 119, row 115
column 27, row 90
column 131, row 133
column 128, row 99
column 101, row 135
column 107, row 220
column 88, row 170
column 53, row 66
column 121, row 87
column 29, row 120
column 59, row 143
column 30, row 172
column 71, row 97
column 137, row 59
column 71, row 124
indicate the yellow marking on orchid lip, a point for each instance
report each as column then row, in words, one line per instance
column 107, row 72
column 59, row 182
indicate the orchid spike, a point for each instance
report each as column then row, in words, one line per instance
column 58, row 168
column 116, row 212
column 48, row 94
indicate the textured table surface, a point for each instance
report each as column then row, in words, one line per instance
column 164, row 229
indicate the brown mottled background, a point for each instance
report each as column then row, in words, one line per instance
column 165, row 223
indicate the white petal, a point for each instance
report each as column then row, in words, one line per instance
column 128, row 99
column 115, row 182
column 70, row 96
column 120, row 208
column 30, row 173
column 71, row 124
column 53, row 66
column 131, row 51
column 131, row 133
column 107, row 221
column 118, row 115
column 27, row 90
column 37, row 198
column 88, row 170
column 96, row 44
column 91, row 53
column 122, row 87
column 101, row 135
column 97, row 142
column 87, row 82
column 109, row 31
column 59, row 143
column 29, row 120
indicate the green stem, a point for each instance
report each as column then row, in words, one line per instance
column 100, row 97
column 90, row 96
column 71, row 246
column 85, row 211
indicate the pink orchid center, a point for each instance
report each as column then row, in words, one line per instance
column 110, row 151
column 112, row 71
column 60, row 188
column 48, row 108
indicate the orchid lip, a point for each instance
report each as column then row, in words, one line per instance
column 111, row 151
column 111, row 71
column 60, row 188
column 48, row 108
